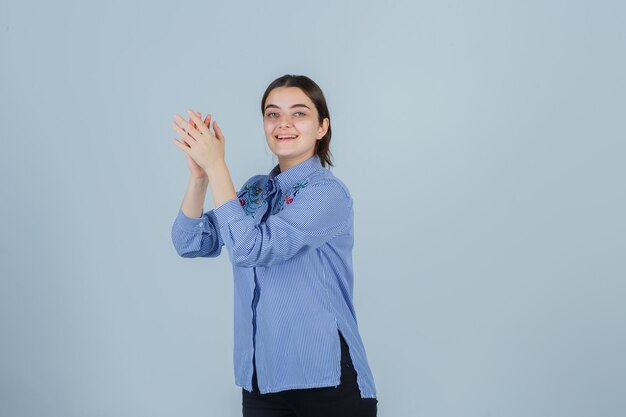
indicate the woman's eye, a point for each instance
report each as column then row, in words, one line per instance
column 271, row 114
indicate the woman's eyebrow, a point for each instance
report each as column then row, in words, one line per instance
column 295, row 105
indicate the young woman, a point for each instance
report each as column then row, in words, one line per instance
column 289, row 235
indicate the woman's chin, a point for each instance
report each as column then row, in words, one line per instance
column 284, row 150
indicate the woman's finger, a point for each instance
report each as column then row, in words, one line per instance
column 187, row 127
column 179, row 146
column 218, row 131
column 203, row 128
column 199, row 116
column 181, row 143
column 184, row 135
column 175, row 124
column 192, row 123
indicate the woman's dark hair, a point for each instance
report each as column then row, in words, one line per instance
column 314, row 92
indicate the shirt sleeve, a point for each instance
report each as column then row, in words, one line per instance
column 196, row 237
column 199, row 237
column 317, row 213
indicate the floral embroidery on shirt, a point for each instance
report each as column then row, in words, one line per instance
column 288, row 199
column 252, row 198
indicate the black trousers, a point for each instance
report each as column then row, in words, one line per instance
column 344, row 400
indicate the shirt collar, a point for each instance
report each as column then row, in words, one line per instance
column 291, row 176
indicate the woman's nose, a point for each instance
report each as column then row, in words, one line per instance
column 285, row 121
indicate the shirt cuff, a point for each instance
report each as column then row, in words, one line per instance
column 229, row 211
column 192, row 224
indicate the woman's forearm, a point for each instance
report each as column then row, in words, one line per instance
column 193, row 202
column 222, row 187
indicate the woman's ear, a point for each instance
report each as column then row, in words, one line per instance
column 324, row 127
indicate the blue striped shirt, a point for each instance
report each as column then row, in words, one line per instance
column 289, row 237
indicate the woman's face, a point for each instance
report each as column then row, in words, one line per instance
column 288, row 111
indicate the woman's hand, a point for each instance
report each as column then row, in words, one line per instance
column 202, row 148
column 196, row 170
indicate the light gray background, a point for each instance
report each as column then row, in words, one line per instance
column 483, row 144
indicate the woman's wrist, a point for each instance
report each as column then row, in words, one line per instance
column 200, row 181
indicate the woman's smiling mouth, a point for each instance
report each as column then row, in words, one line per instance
column 286, row 137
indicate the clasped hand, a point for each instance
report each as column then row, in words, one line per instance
column 204, row 147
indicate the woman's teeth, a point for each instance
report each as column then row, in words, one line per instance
column 291, row 137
